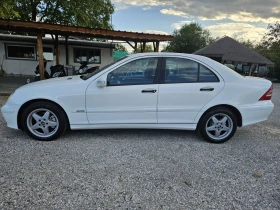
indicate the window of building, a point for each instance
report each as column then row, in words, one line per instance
column 89, row 55
column 48, row 53
column 25, row 52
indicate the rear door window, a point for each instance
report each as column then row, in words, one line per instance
column 181, row 70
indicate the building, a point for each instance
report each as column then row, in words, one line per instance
column 18, row 54
column 230, row 52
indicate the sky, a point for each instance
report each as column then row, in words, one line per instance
column 241, row 19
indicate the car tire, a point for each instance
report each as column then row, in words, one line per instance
column 218, row 125
column 44, row 121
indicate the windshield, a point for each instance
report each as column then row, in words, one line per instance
column 89, row 75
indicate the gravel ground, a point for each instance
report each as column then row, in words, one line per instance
column 142, row 169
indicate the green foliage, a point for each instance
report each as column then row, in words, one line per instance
column 272, row 52
column 88, row 13
column 270, row 48
column 247, row 43
column 274, row 32
column 6, row 9
column 120, row 47
column 190, row 38
column 149, row 48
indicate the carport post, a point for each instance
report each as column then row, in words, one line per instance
column 157, row 46
column 144, row 47
column 135, row 47
column 66, row 50
column 40, row 54
column 56, row 49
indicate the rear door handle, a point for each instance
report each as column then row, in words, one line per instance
column 149, row 91
column 207, row 89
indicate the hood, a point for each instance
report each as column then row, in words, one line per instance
column 53, row 81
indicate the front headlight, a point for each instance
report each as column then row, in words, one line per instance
column 81, row 71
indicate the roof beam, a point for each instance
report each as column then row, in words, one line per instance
column 17, row 25
column 130, row 44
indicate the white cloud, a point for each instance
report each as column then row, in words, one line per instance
column 237, row 30
column 141, row 2
column 241, row 17
column 156, row 32
column 237, row 10
column 147, row 8
column 180, row 24
column 120, row 6
column 173, row 12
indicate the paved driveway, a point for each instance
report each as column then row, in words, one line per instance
column 147, row 169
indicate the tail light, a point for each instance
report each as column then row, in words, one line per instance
column 267, row 95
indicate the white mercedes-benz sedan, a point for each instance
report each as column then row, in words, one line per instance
column 146, row 91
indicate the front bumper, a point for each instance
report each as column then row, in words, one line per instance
column 255, row 113
column 10, row 113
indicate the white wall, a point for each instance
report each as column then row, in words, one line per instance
column 27, row 67
column 15, row 66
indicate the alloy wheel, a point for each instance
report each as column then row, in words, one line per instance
column 219, row 126
column 42, row 123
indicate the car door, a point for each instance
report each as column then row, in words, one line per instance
column 186, row 86
column 128, row 96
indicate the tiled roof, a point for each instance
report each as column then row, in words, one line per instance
column 231, row 50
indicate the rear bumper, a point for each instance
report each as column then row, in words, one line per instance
column 255, row 113
column 9, row 113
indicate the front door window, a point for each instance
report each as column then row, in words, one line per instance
column 137, row 72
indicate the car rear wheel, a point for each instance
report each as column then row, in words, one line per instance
column 44, row 121
column 218, row 125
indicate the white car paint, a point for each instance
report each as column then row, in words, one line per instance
column 173, row 106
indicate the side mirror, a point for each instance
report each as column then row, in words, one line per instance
column 101, row 83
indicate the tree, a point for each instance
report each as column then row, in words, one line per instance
column 88, row 13
column 274, row 32
column 269, row 47
column 272, row 52
column 6, row 9
column 148, row 48
column 247, row 43
column 190, row 38
column 120, row 47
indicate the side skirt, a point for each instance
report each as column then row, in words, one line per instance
column 135, row 126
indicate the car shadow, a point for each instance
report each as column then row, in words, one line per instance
column 132, row 135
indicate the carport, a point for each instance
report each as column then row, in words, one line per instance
column 40, row 29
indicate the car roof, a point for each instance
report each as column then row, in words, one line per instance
column 226, row 73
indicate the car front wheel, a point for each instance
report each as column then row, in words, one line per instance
column 44, row 121
column 218, row 125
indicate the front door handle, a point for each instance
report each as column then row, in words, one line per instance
column 207, row 89
column 149, row 91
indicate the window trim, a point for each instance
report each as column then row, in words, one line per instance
column 87, row 49
column 20, row 45
column 156, row 78
column 162, row 73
